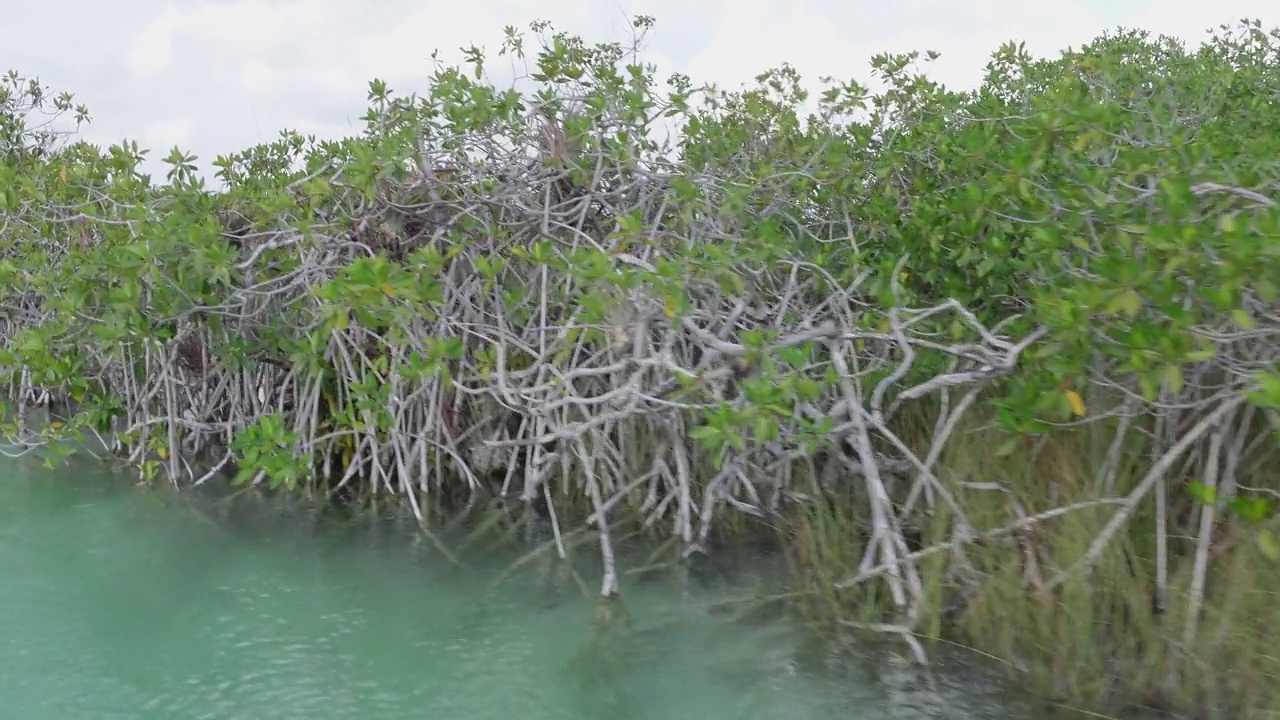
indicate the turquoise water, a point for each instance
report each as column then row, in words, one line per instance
column 121, row 603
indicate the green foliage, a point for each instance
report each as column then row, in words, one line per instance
column 267, row 447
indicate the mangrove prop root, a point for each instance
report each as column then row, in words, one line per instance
column 598, row 324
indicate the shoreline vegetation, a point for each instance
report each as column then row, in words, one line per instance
column 997, row 368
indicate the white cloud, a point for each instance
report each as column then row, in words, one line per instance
column 258, row 77
column 216, row 76
column 826, row 39
column 152, row 49
column 164, row 135
column 1189, row 20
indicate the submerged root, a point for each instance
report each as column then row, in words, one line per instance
column 612, row 618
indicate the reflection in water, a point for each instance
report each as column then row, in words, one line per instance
column 119, row 603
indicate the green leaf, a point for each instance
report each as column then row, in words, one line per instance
column 705, row 432
column 1203, row 355
column 685, row 190
column 1268, row 545
column 1206, row 494
column 1007, row 447
column 766, row 429
column 1242, row 320
column 244, row 475
column 1126, row 301
column 1251, row 509
column 1268, row 393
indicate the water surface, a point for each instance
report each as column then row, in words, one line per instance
column 120, row 603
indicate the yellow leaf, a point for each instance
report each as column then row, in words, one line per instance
column 56, row 425
column 163, row 452
column 669, row 307
column 62, row 173
column 1076, row 402
column 390, row 291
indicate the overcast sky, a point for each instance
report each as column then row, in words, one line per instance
column 219, row 76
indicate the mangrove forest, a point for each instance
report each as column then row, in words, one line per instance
column 995, row 368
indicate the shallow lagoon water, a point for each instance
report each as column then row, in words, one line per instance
column 120, row 603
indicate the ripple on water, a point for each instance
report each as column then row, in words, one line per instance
column 47, row 667
column 112, row 606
